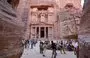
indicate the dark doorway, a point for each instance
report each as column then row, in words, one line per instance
column 46, row 32
column 37, row 32
column 42, row 32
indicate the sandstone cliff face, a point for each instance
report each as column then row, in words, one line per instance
column 69, row 21
column 11, row 32
column 84, row 33
column 85, row 22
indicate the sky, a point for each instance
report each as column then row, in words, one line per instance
column 82, row 2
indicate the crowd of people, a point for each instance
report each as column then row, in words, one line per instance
column 31, row 43
column 61, row 45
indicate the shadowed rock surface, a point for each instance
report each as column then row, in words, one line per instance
column 84, row 34
column 11, row 32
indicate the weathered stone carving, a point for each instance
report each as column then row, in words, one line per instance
column 69, row 18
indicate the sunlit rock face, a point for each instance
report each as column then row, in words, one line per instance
column 42, row 17
column 85, row 26
column 11, row 31
column 84, row 33
column 62, row 3
column 44, row 21
column 69, row 18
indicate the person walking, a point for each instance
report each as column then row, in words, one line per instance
column 76, row 49
column 62, row 48
column 41, row 47
column 27, row 44
column 32, row 43
column 44, row 49
column 35, row 42
column 53, row 46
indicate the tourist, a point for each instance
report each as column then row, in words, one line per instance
column 32, row 43
column 53, row 46
column 27, row 44
column 75, row 47
column 44, row 48
column 41, row 47
column 62, row 47
column 35, row 42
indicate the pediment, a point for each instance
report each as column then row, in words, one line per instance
column 44, row 23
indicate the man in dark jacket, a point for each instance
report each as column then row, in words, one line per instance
column 41, row 47
column 53, row 46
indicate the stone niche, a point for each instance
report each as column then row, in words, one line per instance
column 11, row 32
